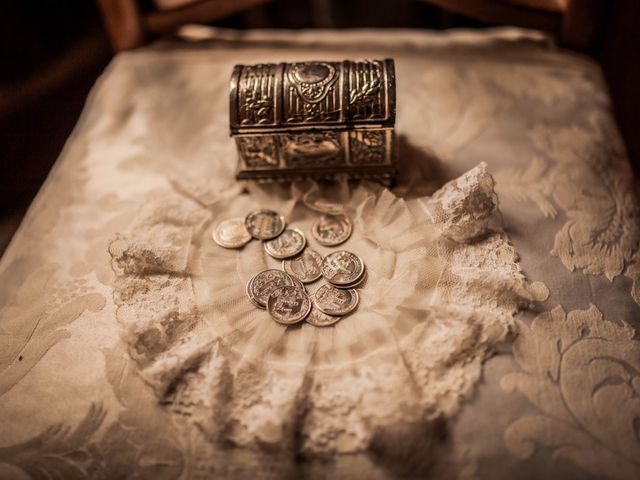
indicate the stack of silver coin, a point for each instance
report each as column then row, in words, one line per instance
column 282, row 292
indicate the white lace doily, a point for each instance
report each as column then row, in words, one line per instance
column 443, row 285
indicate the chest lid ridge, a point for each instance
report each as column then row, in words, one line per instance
column 284, row 97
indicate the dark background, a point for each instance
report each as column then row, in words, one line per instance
column 52, row 51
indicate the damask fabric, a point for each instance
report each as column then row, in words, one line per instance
column 496, row 332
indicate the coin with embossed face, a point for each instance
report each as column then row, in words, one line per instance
column 335, row 301
column 331, row 230
column 288, row 305
column 342, row 267
column 231, row 233
column 305, row 267
column 260, row 286
column 264, row 224
column 288, row 244
column 321, row 319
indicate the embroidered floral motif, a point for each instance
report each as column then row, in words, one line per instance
column 137, row 444
column 591, row 182
column 35, row 321
column 602, row 233
column 59, row 451
column 583, row 374
column 633, row 272
column 531, row 183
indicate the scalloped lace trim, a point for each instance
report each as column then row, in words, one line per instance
column 444, row 286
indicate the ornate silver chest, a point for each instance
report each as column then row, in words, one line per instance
column 314, row 119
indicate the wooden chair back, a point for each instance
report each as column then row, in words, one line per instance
column 575, row 23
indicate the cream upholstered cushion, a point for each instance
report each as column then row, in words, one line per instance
column 127, row 344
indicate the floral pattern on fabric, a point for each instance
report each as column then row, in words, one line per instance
column 591, row 182
column 138, row 444
column 528, row 184
column 597, row 191
column 582, row 373
column 34, row 322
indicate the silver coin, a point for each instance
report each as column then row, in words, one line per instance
column 231, row 233
column 321, row 319
column 255, row 303
column 306, row 267
column 288, row 244
column 342, row 267
column 264, row 224
column 249, row 293
column 261, row 285
column 332, row 230
column 288, row 304
column 335, row 301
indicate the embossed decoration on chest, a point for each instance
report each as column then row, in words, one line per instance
column 314, row 119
